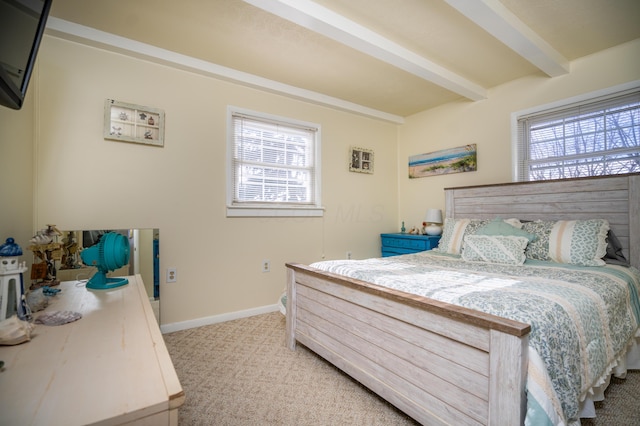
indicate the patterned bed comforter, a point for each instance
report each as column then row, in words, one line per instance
column 582, row 318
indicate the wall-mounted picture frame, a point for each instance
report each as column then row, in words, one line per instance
column 133, row 123
column 454, row 160
column 360, row 160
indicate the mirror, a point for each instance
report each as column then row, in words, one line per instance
column 144, row 258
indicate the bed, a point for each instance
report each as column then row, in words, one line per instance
column 442, row 356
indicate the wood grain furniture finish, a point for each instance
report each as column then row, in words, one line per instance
column 111, row 367
column 395, row 244
column 422, row 355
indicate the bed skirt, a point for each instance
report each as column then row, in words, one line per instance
column 630, row 361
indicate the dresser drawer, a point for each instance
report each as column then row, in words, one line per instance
column 406, row 243
column 395, row 251
column 395, row 244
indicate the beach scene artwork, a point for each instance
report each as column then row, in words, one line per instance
column 453, row 160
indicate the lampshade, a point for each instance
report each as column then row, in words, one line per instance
column 433, row 216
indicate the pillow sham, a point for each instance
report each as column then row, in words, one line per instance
column 501, row 249
column 576, row 242
column 453, row 233
column 538, row 249
column 502, row 227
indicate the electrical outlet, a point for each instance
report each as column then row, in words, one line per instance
column 349, row 255
column 266, row 265
column 172, row 275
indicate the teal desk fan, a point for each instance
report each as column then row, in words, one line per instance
column 110, row 253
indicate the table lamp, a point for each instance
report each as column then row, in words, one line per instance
column 433, row 220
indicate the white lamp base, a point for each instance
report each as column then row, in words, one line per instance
column 433, row 230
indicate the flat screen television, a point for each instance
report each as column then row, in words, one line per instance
column 22, row 24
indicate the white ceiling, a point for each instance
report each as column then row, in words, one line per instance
column 398, row 57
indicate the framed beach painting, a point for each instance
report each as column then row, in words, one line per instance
column 453, row 160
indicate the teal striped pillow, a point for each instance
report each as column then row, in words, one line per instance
column 577, row 242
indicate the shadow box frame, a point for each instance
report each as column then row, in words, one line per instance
column 126, row 122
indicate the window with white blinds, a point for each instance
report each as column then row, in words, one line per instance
column 593, row 137
column 273, row 166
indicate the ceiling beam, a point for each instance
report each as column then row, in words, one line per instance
column 91, row 37
column 330, row 24
column 500, row 22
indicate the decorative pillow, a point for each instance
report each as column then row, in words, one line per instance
column 578, row 242
column 513, row 222
column 538, row 249
column 454, row 231
column 614, row 254
column 503, row 249
column 502, row 227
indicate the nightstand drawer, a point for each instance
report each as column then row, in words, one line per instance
column 406, row 243
column 396, row 244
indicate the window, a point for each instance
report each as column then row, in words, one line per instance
column 592, row 137
column 273, row 166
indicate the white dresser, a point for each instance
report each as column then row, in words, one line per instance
column 110, row 367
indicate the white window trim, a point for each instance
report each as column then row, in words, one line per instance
column 259, row 210
column 515, row 154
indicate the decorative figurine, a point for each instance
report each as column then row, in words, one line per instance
column 46, row 248
column 11, row 276
column 70, row 252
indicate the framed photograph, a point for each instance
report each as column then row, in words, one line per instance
column 133, row 123
column 360, row 160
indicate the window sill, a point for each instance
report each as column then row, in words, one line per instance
column 234, row 211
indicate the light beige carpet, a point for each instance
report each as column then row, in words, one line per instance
column 240, row 373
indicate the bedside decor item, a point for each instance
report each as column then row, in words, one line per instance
column 433, row 221
column 454, row 160
column 110, row 253
column 133, row 123
column 360, row 160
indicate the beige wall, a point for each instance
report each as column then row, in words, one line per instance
column 86, row 182
column 487, row 123
column 72, row 177
column 16, row 174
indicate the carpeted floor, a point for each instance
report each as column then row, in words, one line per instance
column 240, row 373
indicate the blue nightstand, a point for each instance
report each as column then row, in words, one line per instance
column 395, row 244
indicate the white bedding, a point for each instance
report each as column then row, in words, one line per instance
column 591, row 311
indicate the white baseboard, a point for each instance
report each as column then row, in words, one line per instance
column 184, row 325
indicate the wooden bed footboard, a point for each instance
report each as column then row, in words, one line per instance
column 439, row 363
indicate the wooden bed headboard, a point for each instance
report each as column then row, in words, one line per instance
column 614, row 198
